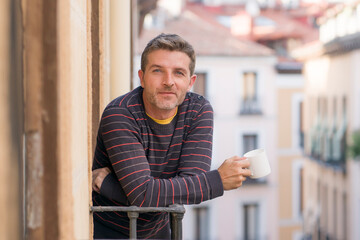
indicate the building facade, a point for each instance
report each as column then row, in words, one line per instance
column 331, row 116
column 56, row 79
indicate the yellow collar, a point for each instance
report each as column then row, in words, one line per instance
column 164, row 121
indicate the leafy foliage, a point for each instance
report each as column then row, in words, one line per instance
column 354, row 149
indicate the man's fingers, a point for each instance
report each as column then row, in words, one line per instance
column 98, row 176
column 239, row 158
column 242, row 163
column 246, row 172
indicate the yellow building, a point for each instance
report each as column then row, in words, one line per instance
column 290, row 86
column 331, row 115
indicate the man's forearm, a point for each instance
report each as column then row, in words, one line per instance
column 112, row 189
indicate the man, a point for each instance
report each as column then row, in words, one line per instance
column 156, row 141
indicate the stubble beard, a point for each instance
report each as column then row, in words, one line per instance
column 165, row 104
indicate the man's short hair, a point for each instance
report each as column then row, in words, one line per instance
column 171, row 42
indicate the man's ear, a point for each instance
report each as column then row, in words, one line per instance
column 141, row 76
column 192, row 81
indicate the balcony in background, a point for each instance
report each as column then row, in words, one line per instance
column 251, row 106
column 328, row 145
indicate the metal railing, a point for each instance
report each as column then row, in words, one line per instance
column 177, row 213
column 251, row 106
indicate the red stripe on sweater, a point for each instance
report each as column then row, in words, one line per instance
column 194, row 154
column 137, row 187
column 148, row 229
column 168, row 172
column 138, row 104
column 123, row 99
column 173, row 190
column 111, row 222
column 188, row 112
column 117, row 114
column 98, row 162
column 175, row 144
column 158, row 150
column 118, row 130
column 124, row 144
column 134, row 173
column 157, row 164
column 204, row 127
column 127, row 159
column 101, row 151
column 158, row 229
column 193, row 168
column 202, row 196
column 182, row 127
column 187, row 191
column 150, row 134
column 157, row 204
column 202, row 114
column 197, row 141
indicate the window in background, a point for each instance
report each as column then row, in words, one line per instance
column 297, row 189
column 251, row 221
column 250, row 98
column 250, row 142
column 201, row 223
column 301, row 125
column 200, row 85
column 301, row 190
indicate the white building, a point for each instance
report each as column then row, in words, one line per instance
column 239, row 79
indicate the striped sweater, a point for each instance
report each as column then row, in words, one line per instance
column 156, row 165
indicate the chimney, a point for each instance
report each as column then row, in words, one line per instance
column 241, row 24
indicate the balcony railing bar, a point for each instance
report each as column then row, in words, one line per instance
column 177, row 213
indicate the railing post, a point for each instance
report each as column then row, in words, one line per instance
column 176, row 224
column 177, row 213
column 133, row 219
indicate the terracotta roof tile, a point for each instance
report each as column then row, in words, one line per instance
column 206, row 38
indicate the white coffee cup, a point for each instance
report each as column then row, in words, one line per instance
column 259, row 163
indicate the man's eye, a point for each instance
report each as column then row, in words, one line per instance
column 180, row 73
column 156, row 70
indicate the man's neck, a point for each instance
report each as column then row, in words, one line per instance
column 161, row 115
column 163, row 121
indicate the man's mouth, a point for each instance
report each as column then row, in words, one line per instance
column 167, row 93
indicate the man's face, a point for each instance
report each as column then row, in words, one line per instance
column 165, row 81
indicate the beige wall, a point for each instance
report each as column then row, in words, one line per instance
column 285, row 116
column 54, row 85
column 289, row 95
column 285, row 187
column 73, row 124
column 120, row 44
column 288, row 232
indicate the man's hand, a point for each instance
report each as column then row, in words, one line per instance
column 234, row 171
column 98, row 176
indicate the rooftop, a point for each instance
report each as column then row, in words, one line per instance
column 206, row 37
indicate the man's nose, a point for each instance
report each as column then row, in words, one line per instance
column 168, row 79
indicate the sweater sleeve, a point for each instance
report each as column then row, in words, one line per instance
column 196, row 151
column 122, row 140
column 111, row 189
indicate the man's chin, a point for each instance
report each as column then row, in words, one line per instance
column 168, row 107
